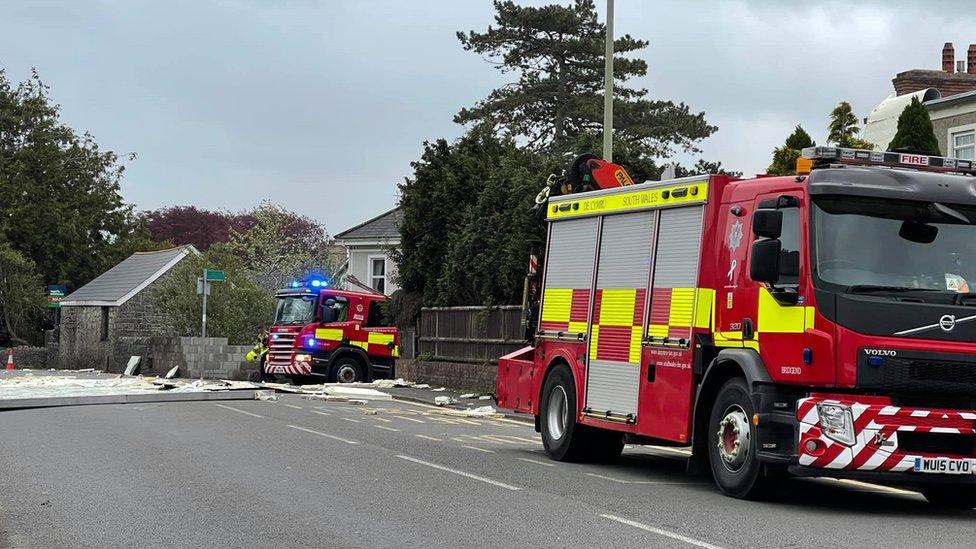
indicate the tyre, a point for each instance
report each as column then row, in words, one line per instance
column 562, row 437
column 731, row 442
column 347, row 370
column 949, row 496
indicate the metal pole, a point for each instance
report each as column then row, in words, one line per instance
column 203, row 329
column 608, row 89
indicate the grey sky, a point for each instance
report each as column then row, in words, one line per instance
column 321, row 105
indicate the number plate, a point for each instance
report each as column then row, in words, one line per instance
column 279, row 369
column 944, row 466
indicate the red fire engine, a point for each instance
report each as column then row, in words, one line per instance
column 333, row 335
column 817, row 325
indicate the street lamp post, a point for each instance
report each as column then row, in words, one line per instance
column 608, row 89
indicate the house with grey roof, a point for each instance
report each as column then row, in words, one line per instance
column 115, row 315
column 368, row 247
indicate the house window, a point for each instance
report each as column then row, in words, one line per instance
column 964, row 145
column 104, row 330
column 377, row 273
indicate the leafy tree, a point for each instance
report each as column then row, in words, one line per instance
column 785, row 157
column 467, row 230
column 60, row 205
column 558, row 53
column 21, row 294
column 843, row 129
column 281, row 245
column 192, row 225
column 236, row 308
column 915, row 130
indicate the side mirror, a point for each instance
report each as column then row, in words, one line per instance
column 329, row 303
column 767, row 223
column 764, row 263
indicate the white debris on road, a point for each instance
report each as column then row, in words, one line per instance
column 443, row 400
column 481, row 411
column 467, row 395
column 265, row 395
column 484, row 397
column 30, row 385
column 439, row 389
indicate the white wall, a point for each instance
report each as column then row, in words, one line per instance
column 359, row 262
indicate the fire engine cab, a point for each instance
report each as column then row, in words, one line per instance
column 817, row 325
column 333, row 335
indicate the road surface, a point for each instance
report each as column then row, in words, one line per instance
column 295, row 473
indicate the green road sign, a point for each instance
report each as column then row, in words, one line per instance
column 216, row 276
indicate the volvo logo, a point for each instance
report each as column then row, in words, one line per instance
column 947, row 323
column 880, row 352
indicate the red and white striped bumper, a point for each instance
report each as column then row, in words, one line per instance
column 294, row 369
column 877, row 426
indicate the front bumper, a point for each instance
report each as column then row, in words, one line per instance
column 888, row 439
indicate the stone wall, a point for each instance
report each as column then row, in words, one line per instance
column 455, row 375
column 131, row 328
column 212, row 355
column 33, row 358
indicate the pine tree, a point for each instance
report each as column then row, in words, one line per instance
column 799, row 139
column 842, row 130
column 784, row 158
column 915, row 132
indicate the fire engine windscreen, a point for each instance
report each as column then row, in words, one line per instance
column 874, row 244
column 295, row 310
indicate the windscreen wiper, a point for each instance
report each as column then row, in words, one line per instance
column 866, row 288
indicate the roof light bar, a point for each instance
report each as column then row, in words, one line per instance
column 821, row 156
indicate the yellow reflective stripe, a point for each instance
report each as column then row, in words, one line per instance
column 594, row 337
column 379, row 338
column 635, row 344
column 682, row 307
column 617, row 307
column 578, row 327
column 329, row 334
column 703, row 307
column 361, row 344
column 641, row 199
column 556, row 303
column 780, row 319
column 811, row 313
column 727, row 339
column 657, row 330
column 395, row 352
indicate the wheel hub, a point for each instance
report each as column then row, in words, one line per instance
column 346, row 374
column 732, row 438
column 558, row 412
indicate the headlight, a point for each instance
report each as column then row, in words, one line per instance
column 837, row 422
column 303, row 358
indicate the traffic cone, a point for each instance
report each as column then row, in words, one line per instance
column 10, row 360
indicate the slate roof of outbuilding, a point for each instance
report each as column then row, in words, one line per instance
column 385, row 226
column 118, row 284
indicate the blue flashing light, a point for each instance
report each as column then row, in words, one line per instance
column 808, row 355
column 316, row 283
column 295, row 284
column 876, row 361
column 274, row 337
column 310, row 343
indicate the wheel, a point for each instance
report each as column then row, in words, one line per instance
column 347, row 370
column 949, row 496
column 562, row 437
column 731, row 442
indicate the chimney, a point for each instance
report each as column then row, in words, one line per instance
column 971, row 59
column 949, row 57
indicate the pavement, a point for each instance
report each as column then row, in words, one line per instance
column 297, row 472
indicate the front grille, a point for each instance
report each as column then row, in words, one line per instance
column 280, row 347
column 937, row 443
column 924, row 373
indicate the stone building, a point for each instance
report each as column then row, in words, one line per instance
column 948, row 94
column 115, row 316
column 368, row 246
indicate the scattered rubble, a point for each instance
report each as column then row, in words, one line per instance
column 357, row 402
column 443, row 400
column 265, row 395
column 439, row 389
column 467, row 395
column 484, row 397
column 482, row 412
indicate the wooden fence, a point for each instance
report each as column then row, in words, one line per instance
column 469, row 334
